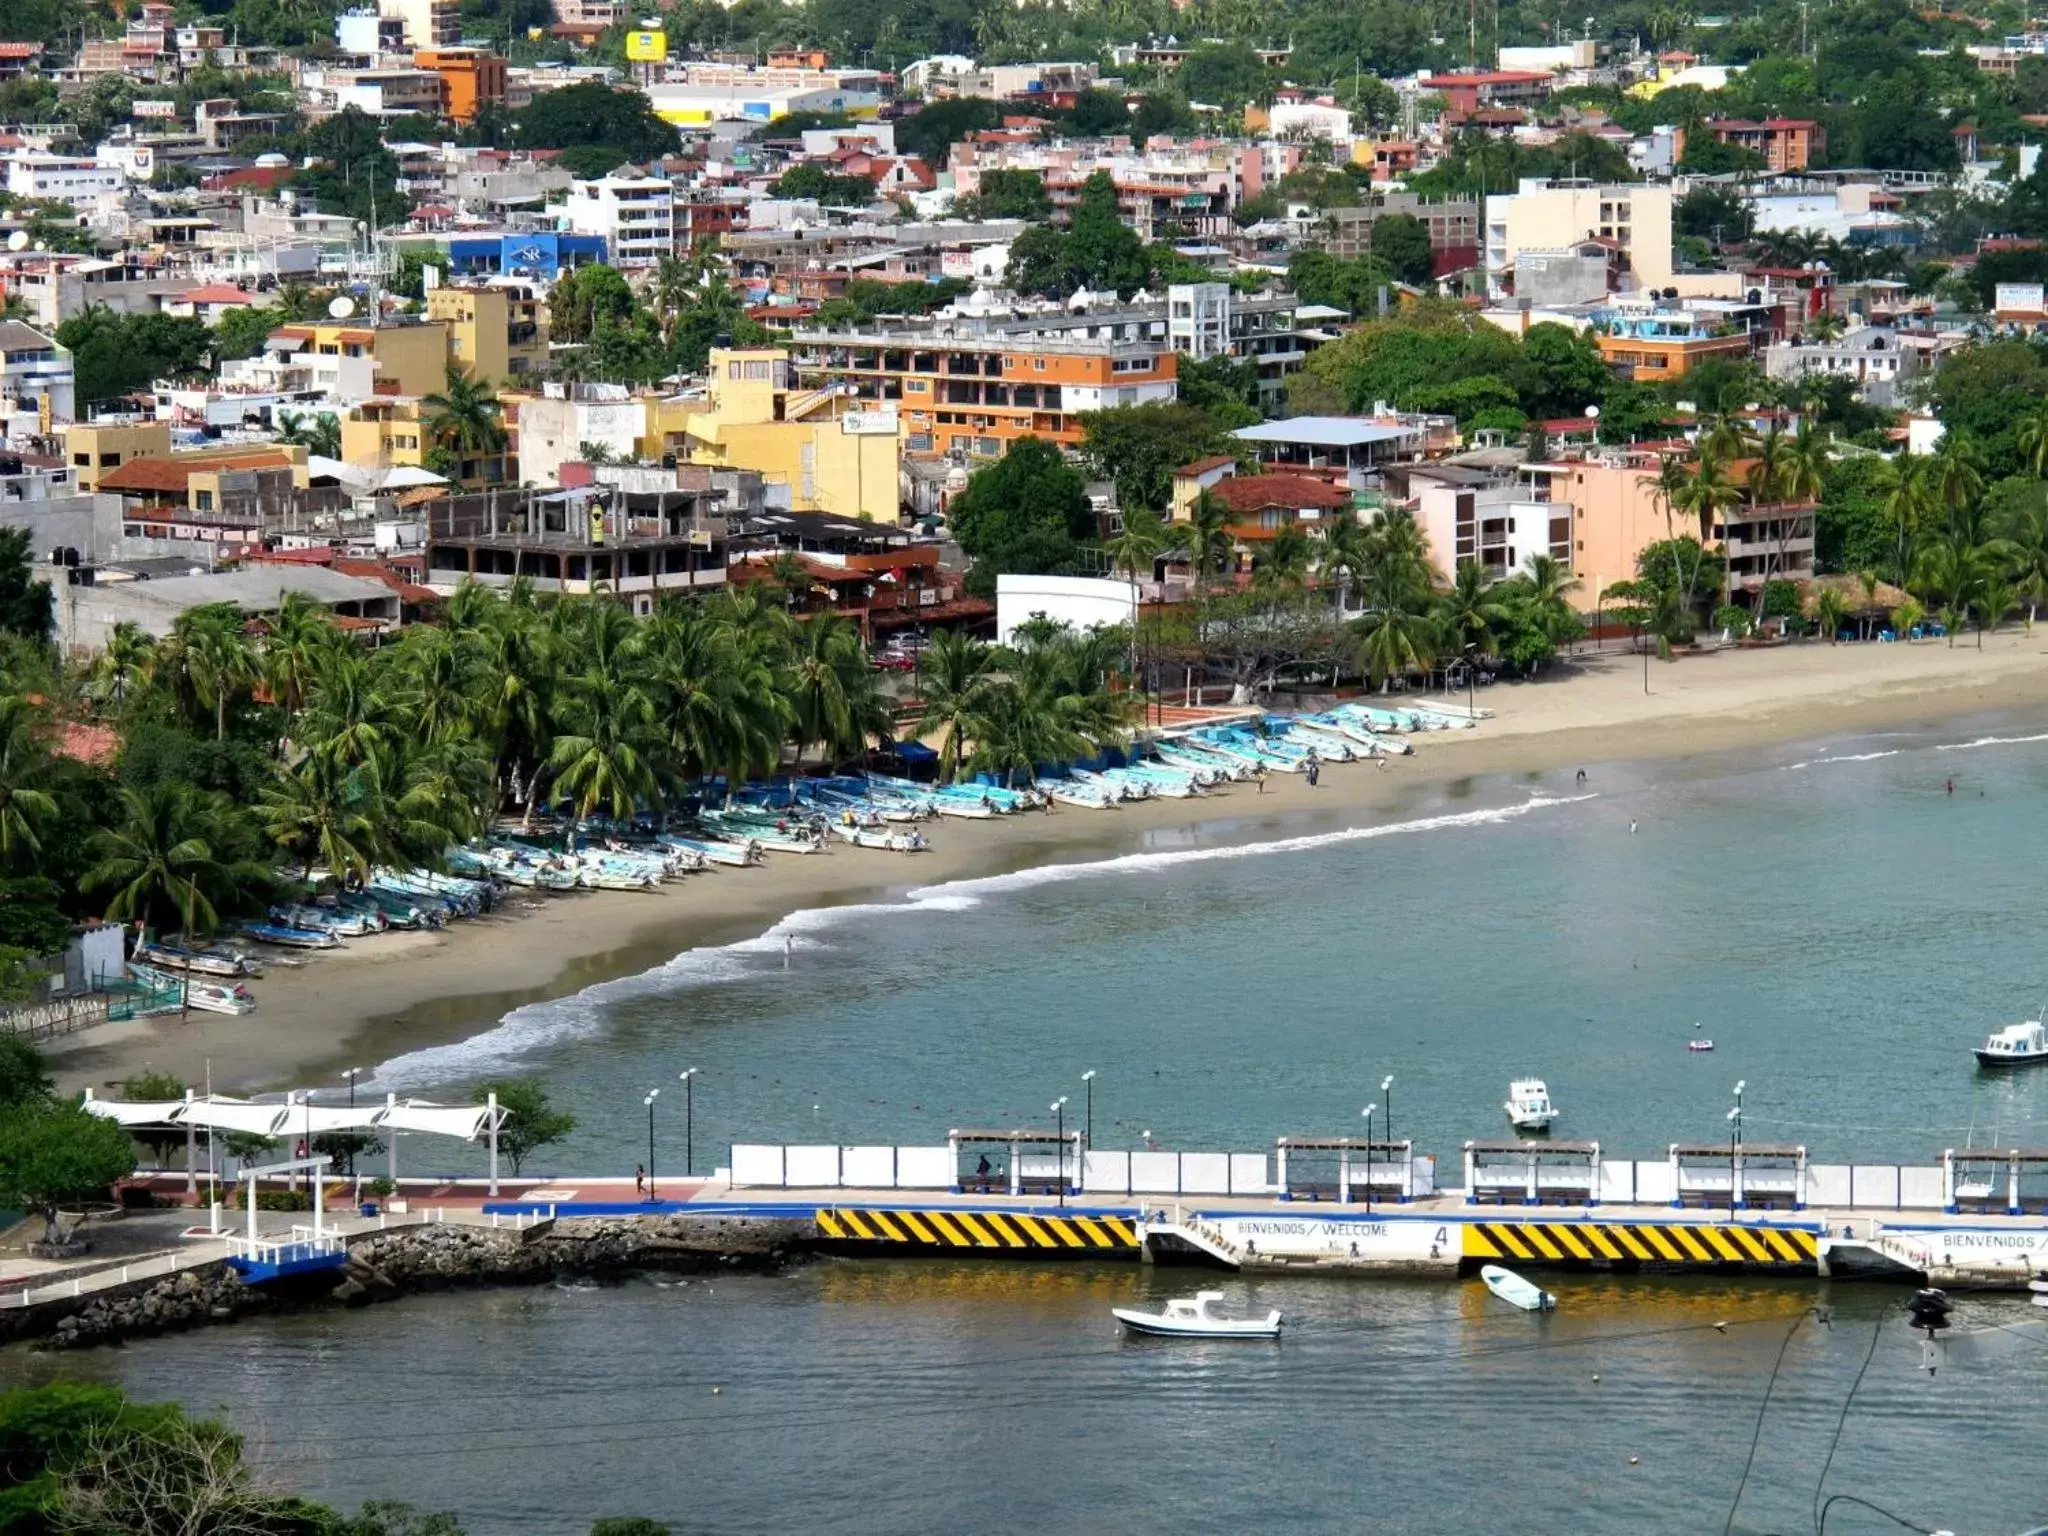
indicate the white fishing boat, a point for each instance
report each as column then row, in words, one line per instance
column 1190, row 1317
column 206, row 962
column 1699, row 1045
column 219, row 997
column 1515, row 1291
column 877, row 837
column 2016, row 1045
column 1528, row 1105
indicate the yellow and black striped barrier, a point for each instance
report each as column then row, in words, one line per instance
column 1684, row 1243
column 999, row 1231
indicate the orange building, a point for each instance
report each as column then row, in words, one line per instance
column 1666, row 344
column 975, row 396
column 1786, row 143
column 470, row 77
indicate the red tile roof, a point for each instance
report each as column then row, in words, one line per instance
column 171, row 474
column 216, row 293
column 1250, row 493
column 1203, row 466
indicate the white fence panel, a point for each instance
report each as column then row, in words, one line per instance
column 1920, row 1189
column 1425, row 1176
column 868, row 1167
column 1827, row 1183
column 757, row 1166
column 1205, row 1173
column 1618, row 1183
column 1248, row 1175
column 1107, row 1173
column 811, row 1167
column 1874, row 1184
column 1653, row 1184
column 1155, row 1173
column 925, row 1168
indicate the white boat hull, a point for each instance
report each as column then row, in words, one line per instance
column 1515, row 1291
column 1157, row 1325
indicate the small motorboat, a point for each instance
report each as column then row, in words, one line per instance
column 1515, row 1291
column 1189, row 1317
column 2016, row 1045
column 1699, row 1045
column 1528, row 1105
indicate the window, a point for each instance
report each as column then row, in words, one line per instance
column 110, row 461
column 202, row 501
column 1038, row 364
column 82, row 460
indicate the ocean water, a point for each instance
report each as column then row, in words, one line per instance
column 1841, row 923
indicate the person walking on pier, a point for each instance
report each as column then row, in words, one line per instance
column 639, row 1178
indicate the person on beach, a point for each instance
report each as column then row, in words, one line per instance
column 1582, row 775
column 639, row 1178
column 1315, row 772
column 1259, row 777
column 1951, row 786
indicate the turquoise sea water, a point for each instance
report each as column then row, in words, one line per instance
column 1842, row 925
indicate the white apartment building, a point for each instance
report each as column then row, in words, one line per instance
column 35, row 376
column 428, row 23
column 62, row 178
column 366, row 35
column 1878, row 361
column 1634, row 217
column 1198, row 318
column 635, row 214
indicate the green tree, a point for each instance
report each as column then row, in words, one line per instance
column 241, row 332
column 27, row 806
column 51, row 1153
column 1402, row 241
column 464, row 417
column 594, row 113
column 1140, row 446
column 159, row 859
column 955, row 675
column 531, row 1122
column 24, row 1079
column 1008, row 194
column 1023, row 512
column 1227, row 75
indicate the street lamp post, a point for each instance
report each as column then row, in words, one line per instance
column 1088, row 1134
column 352, row 1074
column 652, row 1095
column 1059, row 1109
column 1387, row 1099
column 1367, row 1112
column 1735, row 1116
column 689, row 1121
column 1471, row 680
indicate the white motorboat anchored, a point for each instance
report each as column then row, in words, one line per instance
column 1189, row 1317
column 2016, row 1045
column 1528, row 1105
column 1515, row 1291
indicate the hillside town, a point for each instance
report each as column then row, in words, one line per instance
column 606, row 309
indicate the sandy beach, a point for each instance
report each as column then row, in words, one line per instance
column 402, row 991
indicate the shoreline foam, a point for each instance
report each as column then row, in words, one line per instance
column 402, row 995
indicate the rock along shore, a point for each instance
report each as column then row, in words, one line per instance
column 385, row 1265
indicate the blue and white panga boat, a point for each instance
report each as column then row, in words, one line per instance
column 1189, row 1317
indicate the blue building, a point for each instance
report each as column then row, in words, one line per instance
column 528, row 253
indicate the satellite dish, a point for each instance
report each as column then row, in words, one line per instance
column 1593, row 411
column 18, row 241
column 341, row 306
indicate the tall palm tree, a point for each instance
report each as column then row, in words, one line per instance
column 464, row 417
column 1902, row 482
column 125, row 664
column 2025, row 536
column 1543, row 588
column 956, row 680
column 1471, row 611
column 322, row 812
column 1285, row 562
column 26, row 805
column 1209, row 540
column 212, row 644
column 2031, row 437
column 161, row 858
column 605, row 722
column 1958, row 485
column 831, row 688
column 302, row 634
column 318, row 433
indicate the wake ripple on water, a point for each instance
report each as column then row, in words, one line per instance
column 1989, row 741
column 582, row 1015
column 1847, row 757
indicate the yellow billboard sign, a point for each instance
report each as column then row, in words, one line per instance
column 646, row 47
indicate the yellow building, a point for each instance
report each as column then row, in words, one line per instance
column 832, row 457
column 393, row 429
column 94, row 447
column 410, row 357
column 496, row 332
column 1634, row 216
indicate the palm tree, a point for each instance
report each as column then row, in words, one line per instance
column 1471, row 612
column 1209, row 540
column 1542, row 591
column 1829, row 610
column 1707, row 495
column 832, row 690
column 605, row 722
column 1825, row 325
column 956, row 682
column 316, row 433
column 2032, row 439
column 302, row 634
column 2025, row 537
column 212, row 644
column 465, row 418
column 322, row 811
column 1286, row 561
column 25, row 805
column 1958, row 485
column 348, row 716
column 1996, row 597
column 1903, row 483
column 126, row 661
column 160, row 858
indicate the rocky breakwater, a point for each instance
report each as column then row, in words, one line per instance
column 386, row 1265
column 193, row 1298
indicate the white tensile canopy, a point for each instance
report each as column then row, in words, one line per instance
column 299, row 1116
